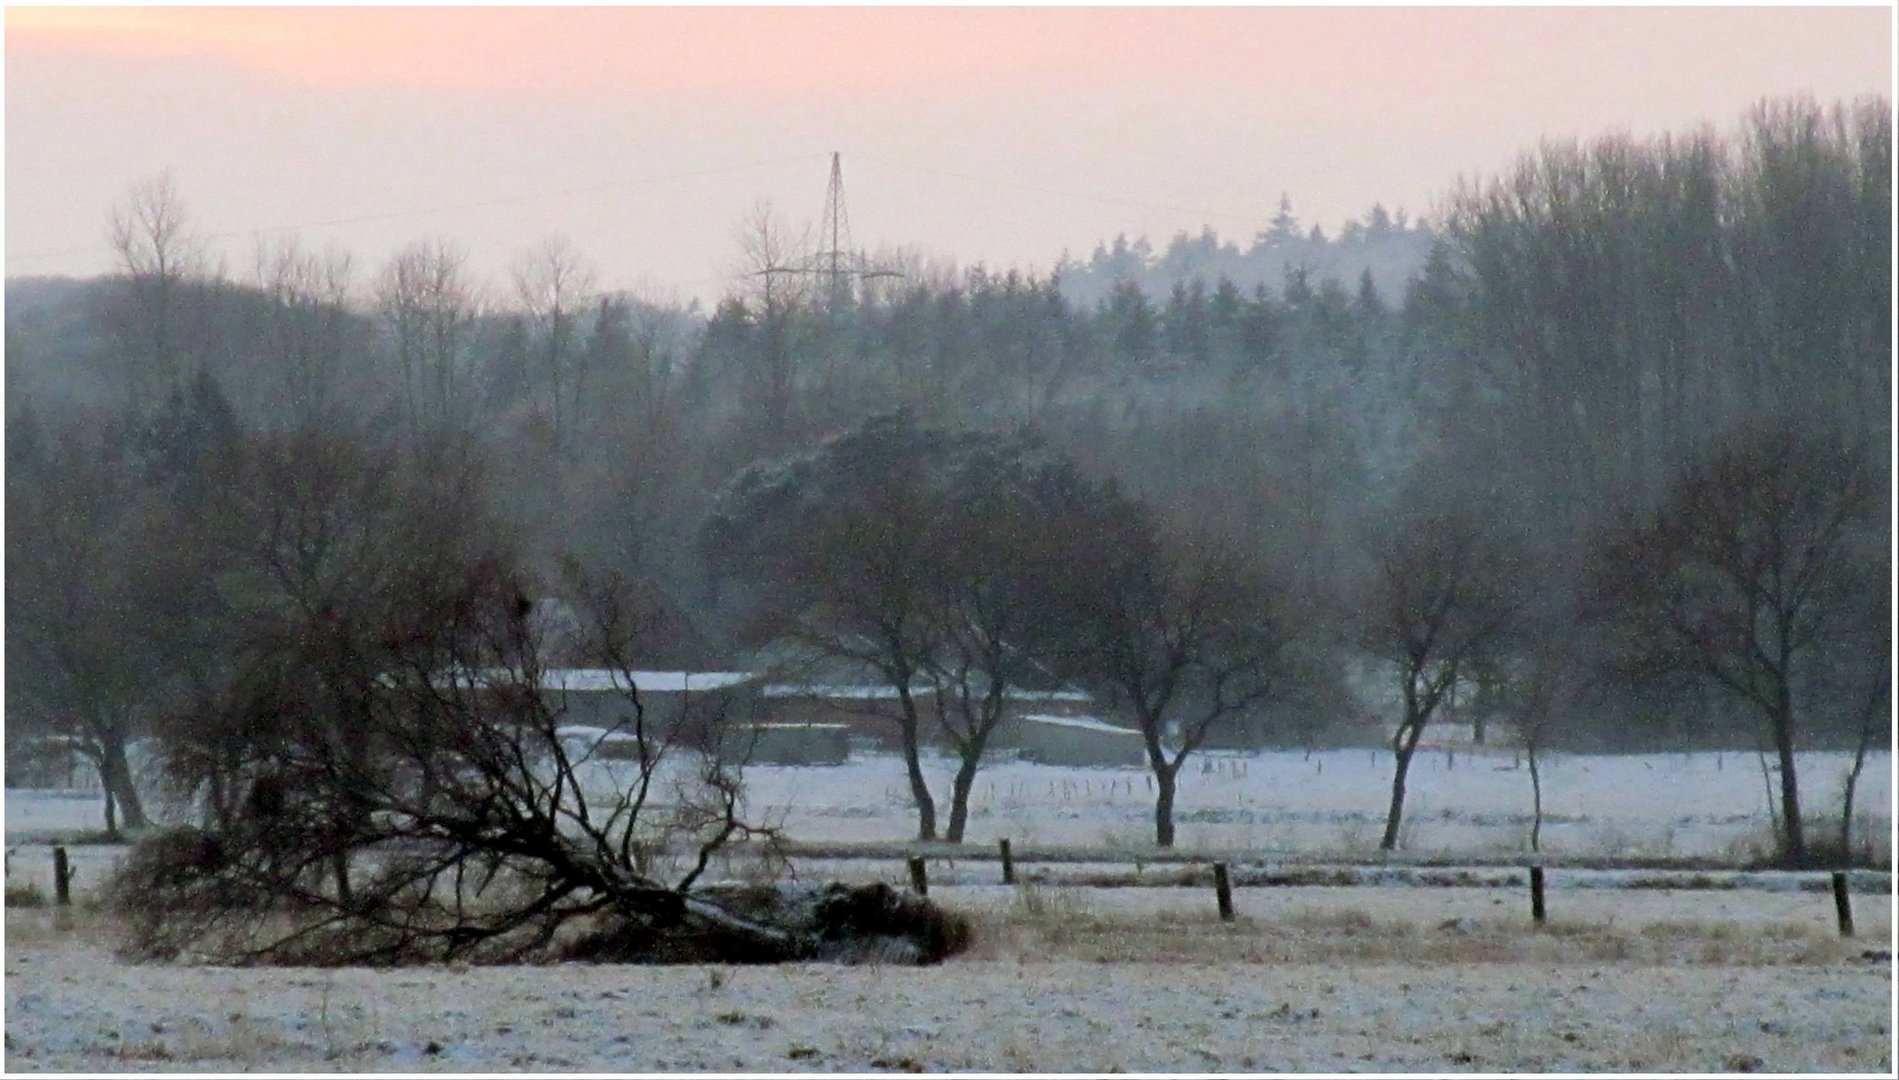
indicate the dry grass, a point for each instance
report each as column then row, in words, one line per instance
column 1039, row 923
column 25, row 895
column 1052, row 923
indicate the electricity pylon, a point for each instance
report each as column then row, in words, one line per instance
column 839, row 264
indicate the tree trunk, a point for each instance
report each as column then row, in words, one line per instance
column 1164, row 781
column 913, row 763
column 1859, row 762
column 1402, row 748
column 339, row 868
column 1793, row 836
column 1536, row 802
column 115, row 774
column 959, row 792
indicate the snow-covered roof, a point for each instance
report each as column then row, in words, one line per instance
column 1087, row 723
column 885, row 692
column 595, row 680
column 583, row 733
column 870, row 692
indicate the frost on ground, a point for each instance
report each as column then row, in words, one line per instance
column 1090, row 980
column 1460, row 803
column 1334, row 802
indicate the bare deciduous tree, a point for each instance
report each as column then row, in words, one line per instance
column 308, row 327
column 555, row 284
column 429, row 305
column 400, row 783
column 773, row 290
column 1747, row 578
column 478, row 826
column 159, row 258
column 1444, row 596
column 935, row 557
column 1189, row 636
column 84, row 564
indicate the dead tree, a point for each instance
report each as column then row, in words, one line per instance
column 476, row 825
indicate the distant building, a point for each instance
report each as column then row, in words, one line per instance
column 788, row 744
column 676, row 706
column 1078, row 742
column 870, row 712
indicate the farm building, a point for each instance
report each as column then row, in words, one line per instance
column 673, row 704
column 1077, row 742
column 790, row 744
column 671, row 700
column 869, row 712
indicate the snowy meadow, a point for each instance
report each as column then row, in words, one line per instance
column 1743, row 971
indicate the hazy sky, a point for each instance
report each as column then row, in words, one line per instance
column 497, row 127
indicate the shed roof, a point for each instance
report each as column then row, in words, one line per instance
column 1087, row 723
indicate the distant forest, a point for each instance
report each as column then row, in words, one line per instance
column 1553, row 356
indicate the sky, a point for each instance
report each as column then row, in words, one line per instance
column 647, row 136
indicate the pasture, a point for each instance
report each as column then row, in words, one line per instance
column 1405, row 970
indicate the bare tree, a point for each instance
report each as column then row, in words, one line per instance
column 307, row 328
column 1746, row 578
column 480, row 826
column 773, row 291
column 399, row 782
column 555, row 284
column 1189, row 636
column 85, row 562
column 1874, row 724
column 1444, row 596
column 1541, row 686
column 842, row 569
column 935, row 557
column 159, row 258
column 429, row 304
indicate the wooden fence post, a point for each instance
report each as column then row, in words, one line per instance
column 1008, row 864
column 919, row 876
column 1842, row 903
column 62, row 878
column 1223, row 891
column 1538, row 914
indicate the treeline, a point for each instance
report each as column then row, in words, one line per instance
column 1590, row 336
column 1622, row 303
column 1388, row 246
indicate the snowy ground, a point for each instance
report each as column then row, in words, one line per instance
column 1331, row 803
column 1094, row 980
column 1383, row 976
column 1712, row 805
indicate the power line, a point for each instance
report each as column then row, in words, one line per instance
column 1256, row 219
column 391, row 215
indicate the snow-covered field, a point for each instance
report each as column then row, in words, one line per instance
column 1090, row 980
column 1334, row 802
column 1379, row 977
column 1330, row 803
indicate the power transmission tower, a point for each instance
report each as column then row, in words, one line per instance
column 835, row 228
column 835, row 260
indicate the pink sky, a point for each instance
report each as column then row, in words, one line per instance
column 276, row 117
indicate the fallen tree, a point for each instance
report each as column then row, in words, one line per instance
column 399, row 783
